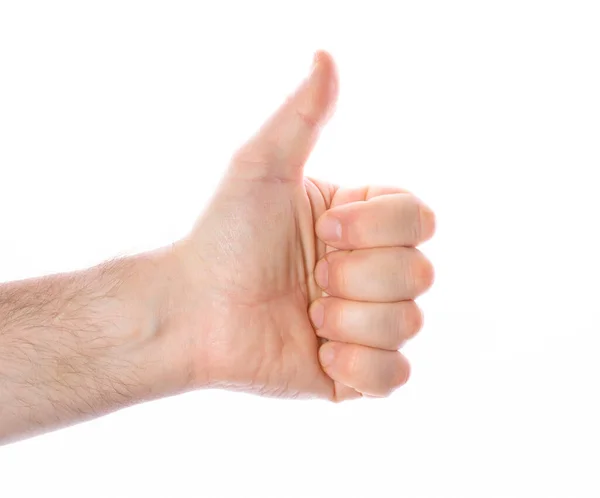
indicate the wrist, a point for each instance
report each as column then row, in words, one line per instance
column 146, row 301
column 185, row 320
column 192, row 318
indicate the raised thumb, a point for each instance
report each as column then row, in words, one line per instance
column 282, row 145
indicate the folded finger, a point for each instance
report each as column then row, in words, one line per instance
column 378, row 325
column 370, row 371
column 383, row 221
column 375, row 275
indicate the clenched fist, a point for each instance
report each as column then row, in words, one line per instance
column 286, row 286
column 294, row 287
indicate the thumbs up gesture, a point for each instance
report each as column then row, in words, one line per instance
column 293, row 287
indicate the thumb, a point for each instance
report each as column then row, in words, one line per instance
column 283, row 144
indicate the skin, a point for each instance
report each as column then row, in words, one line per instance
column 286, row 286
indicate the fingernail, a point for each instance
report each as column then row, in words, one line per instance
column 322, row 274
column 317, row 315
column 315, row 61
column 327, row 354
column 329, row 229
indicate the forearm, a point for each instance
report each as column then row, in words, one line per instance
column 77, row 345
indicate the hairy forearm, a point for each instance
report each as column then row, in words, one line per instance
column 78, row 345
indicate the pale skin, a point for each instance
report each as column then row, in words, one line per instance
column 286, row 286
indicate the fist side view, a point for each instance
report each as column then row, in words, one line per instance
column 294, row 287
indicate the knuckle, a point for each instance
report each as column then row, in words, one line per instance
column 396, row 326
column 426, row 223
column 413, row 320
column 401, row 374
column 414, row 224
column 410, row 282
column 424, row 274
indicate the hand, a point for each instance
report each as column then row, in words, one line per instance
column 294, row 287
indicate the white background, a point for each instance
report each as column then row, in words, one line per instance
column 116, row 120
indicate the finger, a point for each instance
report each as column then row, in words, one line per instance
column 370, row 371
column 377, row 275
column 378, row 325
column 346, row 195
column 280, row 148
column 384, row 221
